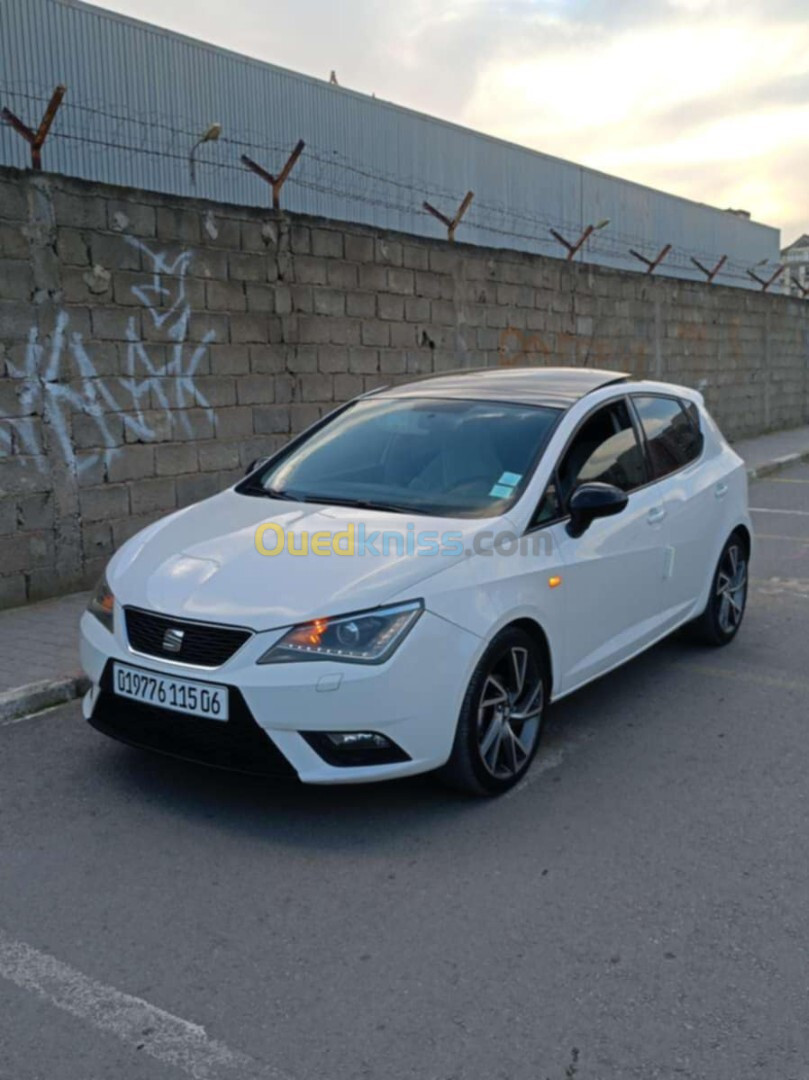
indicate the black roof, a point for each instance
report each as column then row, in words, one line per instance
column 555, row 386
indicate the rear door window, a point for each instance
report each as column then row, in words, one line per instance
column 672, row 435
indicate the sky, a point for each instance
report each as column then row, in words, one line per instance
column 708, row 99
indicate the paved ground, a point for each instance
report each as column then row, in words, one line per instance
column 638, row 909
column 39, row 641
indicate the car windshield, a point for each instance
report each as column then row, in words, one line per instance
column 431, row 456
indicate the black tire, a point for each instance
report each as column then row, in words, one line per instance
column 720, row 621
column 500, row 723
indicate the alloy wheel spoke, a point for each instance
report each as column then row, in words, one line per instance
column 532, row 706
column 500, row 693
column 494, row 729
column 519, row 660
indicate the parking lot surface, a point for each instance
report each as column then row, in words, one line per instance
column 637, row 908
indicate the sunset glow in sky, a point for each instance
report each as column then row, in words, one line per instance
column 708, row 99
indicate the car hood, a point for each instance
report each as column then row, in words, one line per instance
column 203, row 563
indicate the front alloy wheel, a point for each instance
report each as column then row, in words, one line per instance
column 501, row 716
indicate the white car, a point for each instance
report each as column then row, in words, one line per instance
column 477, row 545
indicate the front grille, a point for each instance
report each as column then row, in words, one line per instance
column 203, row 644
column 238, row 743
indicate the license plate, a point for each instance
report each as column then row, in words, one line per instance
column 166, row 692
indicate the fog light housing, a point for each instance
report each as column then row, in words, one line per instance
column 349, row 749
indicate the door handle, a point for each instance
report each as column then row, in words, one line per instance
column 721, row 490
column 656, row 515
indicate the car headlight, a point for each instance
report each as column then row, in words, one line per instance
column 102, row 603
column 368, row 637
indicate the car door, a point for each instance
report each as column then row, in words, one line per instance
column 690, row 490
column 613, row 573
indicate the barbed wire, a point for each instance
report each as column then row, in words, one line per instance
column 328, row 172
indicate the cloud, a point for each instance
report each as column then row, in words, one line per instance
column 707, row 98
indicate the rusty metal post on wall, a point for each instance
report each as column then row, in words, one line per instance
column 276, row 182
column 652, row 264
column 765, row 283
column 451, row 223
column 709, row 274
column 37, row 138
column 574, row 248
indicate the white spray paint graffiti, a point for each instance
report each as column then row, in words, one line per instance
column 147, row 389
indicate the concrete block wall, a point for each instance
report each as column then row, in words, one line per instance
column 152, row 346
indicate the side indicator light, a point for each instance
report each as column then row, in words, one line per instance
column 554, row 582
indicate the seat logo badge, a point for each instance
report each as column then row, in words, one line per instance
column 173, row 640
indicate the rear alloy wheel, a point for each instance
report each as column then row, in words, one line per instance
column 722, row 617
column 501, row 717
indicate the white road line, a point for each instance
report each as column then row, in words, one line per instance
column 144, row 1027
column 773, row 510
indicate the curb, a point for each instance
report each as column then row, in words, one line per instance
column 770, row 467
column 37, row 696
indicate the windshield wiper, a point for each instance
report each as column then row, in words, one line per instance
column 360, row 504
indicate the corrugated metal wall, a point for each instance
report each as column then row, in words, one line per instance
column 138, row 97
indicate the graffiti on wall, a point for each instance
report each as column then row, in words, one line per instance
column 59, row 380
column 517, row 347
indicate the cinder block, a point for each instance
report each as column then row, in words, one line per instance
column 327, row 243
column 271, row 419
column 12, row 586
column 268, row 359
column 134, row 219
column 13, row 200
column 233, row 422
column 361, row 304
column 244, row 266
column 359, row 249
column 249, row 328
column 329, row 302
column 347, row 387
column 314, row 329
column 77, row 211
column 317, row 387
column 96, row 539
column 391, row 307
column 225, row 296
column 148, row 495
column 104, row 503
column 174, row 223
column 13, row 242
column 130, row 463
column 260, row 297
column 345, row 331
column 332, row 359
column 16, row 280
column 229, row 359
column 375, row 333
column 302, row 359
column 388, row 252
column 175, row 459
column 195, row 488
column 219, row 455
column 363, row 361
column 401, row 281
column 255, row 390
column 303, row 416
column 342, row 275
column 310, row 270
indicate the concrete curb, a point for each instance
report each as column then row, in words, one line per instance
column 774, row 466
column 37, row 696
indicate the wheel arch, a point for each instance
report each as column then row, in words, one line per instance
column 532, row 628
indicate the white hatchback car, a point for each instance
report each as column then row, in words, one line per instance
column 406, row 585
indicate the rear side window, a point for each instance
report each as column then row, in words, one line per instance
column 672, row 433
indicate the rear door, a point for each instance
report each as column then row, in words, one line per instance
column 613, row 575
column 690, row 492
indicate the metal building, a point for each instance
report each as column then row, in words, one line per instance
column 139, row 97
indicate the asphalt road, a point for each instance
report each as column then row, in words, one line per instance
column 639, row 908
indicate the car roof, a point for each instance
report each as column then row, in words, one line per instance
column 558, row 387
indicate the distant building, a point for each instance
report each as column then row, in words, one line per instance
column 796, row 259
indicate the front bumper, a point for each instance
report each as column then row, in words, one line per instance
column 413, row 699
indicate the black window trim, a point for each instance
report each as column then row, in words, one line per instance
column 649, row 468
column 553, row 478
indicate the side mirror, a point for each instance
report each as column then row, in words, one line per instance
column 591, row 501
